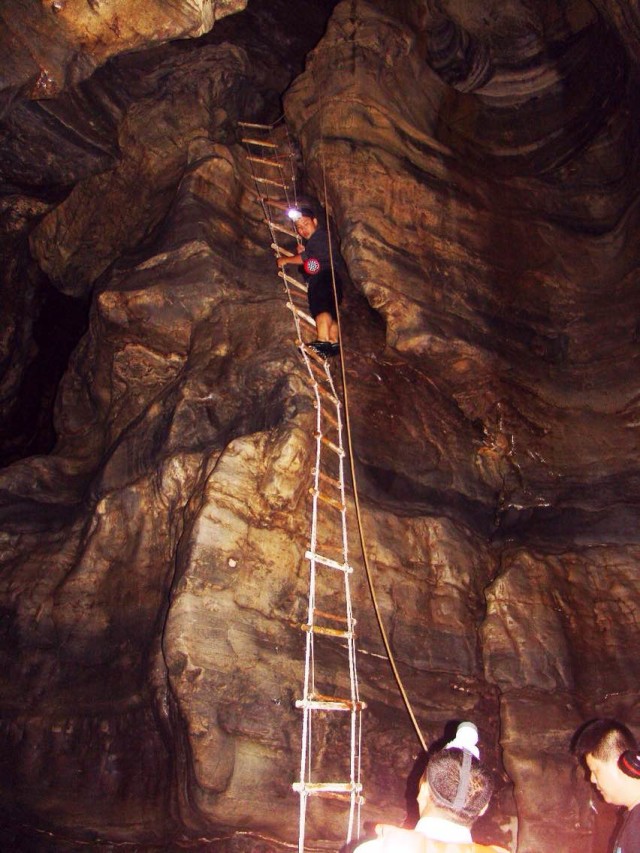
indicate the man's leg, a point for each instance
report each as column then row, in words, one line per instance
column 324, row 323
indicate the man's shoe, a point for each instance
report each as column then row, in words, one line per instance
column 335, row 348
column 322, row 348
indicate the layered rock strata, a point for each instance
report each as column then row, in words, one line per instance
column 480, row 167
column 484, row 240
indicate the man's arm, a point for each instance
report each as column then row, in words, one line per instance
column 291, row 259
column 285, row 259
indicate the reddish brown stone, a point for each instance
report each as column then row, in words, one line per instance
column 481, row 172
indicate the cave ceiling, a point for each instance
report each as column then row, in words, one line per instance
column 480, row 164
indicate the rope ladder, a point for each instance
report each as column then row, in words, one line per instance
column 329, row 692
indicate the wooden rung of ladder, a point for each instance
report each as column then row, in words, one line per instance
column 275, row 157
column 263, row 142
column 317, row 363
column 282, row 251
column 331, row 790
column 338, row 404
column 328, row 500
column 326, row 549
column 343, row 798
column 270, row 182
column 293, row 281
column 324, row 615
column 316, row 360
column 327, row 632
column 333, row 421
column 326, row 703
column 324, row 392
column 332, row 502
column 253, row 124
column 306, row 318
column 328, row 562
column 320, row 696
column 298, row 294
column 330, row 480
column 265, row 161
column 281, row 228
column 330, row 444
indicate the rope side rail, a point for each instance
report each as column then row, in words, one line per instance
column 356, row 499
column 327, row 558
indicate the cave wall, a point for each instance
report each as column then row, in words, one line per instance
column 480, row 165
column 490, row 242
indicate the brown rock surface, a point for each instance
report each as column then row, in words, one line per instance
column 491, row 261
column 50, row 45
column 480, row 163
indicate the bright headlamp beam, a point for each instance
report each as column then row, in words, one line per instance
column 293, row 214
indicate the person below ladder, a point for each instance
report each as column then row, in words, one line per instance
column 454, row 791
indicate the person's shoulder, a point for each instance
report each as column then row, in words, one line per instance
column 460, row 847
column 631, row 824
column 394, row 839
column 629, row 835
column 373, row 846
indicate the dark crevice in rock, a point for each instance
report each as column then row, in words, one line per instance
column 398, row 492
column 59, row 325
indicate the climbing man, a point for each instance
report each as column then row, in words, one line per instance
column 609, row 751
column 453, row 792
column 315, row 256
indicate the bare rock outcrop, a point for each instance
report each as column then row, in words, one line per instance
column 480, row 165
column 491, row 256
column 49, row 46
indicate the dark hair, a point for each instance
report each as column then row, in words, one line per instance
column 605, row 739
column 443, row 773
column 308, row 212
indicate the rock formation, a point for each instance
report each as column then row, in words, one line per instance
column 480, row 164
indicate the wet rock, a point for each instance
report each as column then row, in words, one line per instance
column 50, row 45
column 480, row 167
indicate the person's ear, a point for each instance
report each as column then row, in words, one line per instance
column 629, row 764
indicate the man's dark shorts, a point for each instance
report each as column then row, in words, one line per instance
column 320, row 294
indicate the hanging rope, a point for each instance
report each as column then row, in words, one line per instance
column 356, row 500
